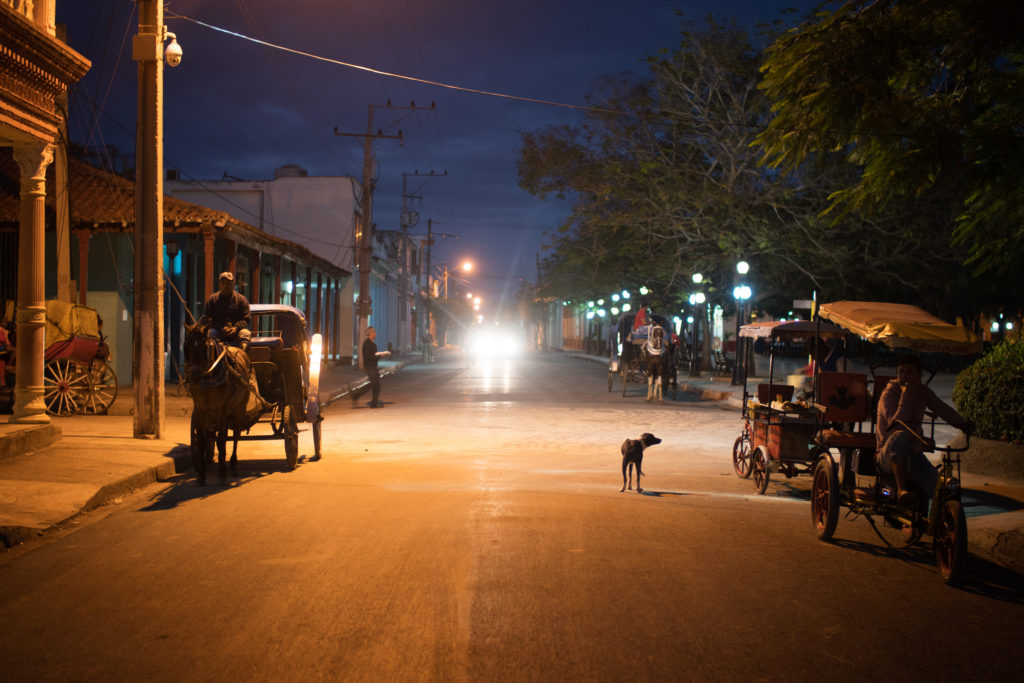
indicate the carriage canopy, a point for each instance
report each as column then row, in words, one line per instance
column 901, row 326
column 790, row 329
column 66, row 321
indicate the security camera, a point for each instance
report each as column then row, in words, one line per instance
column 172, row 53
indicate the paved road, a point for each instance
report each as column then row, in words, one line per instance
column 473, row 530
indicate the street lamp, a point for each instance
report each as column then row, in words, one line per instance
column 697, row 300
column 741, row 293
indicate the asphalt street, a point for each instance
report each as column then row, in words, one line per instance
column 473, row 529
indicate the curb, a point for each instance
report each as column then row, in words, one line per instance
column 179, row 460
column 29, row 439
column 358, row 386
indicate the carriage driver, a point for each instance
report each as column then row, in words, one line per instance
column 227, row 314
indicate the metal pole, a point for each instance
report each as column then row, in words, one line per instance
column 148, row 319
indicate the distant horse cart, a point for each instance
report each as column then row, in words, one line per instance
column 646, row 355
column 283, row 364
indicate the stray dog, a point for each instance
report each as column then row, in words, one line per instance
column 633, row 454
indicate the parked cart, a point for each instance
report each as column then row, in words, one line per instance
column 77, row 376
column 778, row 431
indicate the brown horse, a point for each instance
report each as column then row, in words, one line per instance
column 223, row 398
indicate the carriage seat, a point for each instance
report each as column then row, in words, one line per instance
column 268, row 342
column 261, row 349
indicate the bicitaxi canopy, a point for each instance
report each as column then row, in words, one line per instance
column 901, row 326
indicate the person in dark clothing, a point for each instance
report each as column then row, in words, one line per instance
column 227, row 314
column 370, row 355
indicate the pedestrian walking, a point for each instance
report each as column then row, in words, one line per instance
column 370, row 357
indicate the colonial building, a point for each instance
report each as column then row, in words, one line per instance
column 36, row 69
column 317, row 212
column 199, row 242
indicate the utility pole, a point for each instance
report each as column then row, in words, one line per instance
column 364, row 236
column 409, row 219
column 148, row 319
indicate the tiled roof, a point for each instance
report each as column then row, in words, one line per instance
column 104, row 199
column 98, row 197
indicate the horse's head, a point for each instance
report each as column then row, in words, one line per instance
column 198, row 346
column 657, row 337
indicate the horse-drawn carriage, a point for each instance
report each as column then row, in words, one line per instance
column 276, row 383
column 77, row 377
column 644, row 355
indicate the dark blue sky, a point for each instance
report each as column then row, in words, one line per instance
column 243, row 109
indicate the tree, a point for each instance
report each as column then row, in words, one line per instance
column 674, row 185
column 925, row 99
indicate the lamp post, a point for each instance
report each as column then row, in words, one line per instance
column 697, row 300
column 741, row 293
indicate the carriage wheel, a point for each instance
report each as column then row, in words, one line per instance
column 291, row 437
column 761, row 473
column 65, row 387
column 825, row 498
column 951, row 542
column 199, row 445
column 742, row 458
column 103, row 390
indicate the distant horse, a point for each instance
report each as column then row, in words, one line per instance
column 223, row 398
column 656, row 359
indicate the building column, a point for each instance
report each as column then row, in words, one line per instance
column 208, row 238
column 277, row 279
column 29, row 406
column 83, row 265
column 293, row 297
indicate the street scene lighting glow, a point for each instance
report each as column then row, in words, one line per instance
column 742, row 267
column 697, row 278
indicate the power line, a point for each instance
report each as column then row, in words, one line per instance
column 413, row 79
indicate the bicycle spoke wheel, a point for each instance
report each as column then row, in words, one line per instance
column 65, row 386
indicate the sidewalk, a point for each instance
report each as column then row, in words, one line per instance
column 51, row 473
column 995, row 520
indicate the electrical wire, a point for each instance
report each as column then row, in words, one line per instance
column 413, row 79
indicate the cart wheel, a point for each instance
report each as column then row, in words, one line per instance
column 198, row 446
column 825, row 498
column 742, row 458
column 951, row 542
column 103, row 390
column 291, row 437
column 761, row 473
column 65, row 387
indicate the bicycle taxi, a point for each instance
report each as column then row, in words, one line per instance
column 778, row 431
column 853, row 481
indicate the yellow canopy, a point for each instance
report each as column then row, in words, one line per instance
column 66, row 320
column 901, row 326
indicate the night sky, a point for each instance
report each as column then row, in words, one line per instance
column 242, row 109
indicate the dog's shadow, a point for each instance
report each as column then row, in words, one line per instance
column 659, row 494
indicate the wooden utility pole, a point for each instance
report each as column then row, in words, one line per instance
column 364, row 230
column 148, row 319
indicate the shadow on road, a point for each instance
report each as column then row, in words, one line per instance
column 983, row 578
column 659, row 494
column 185, row 487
